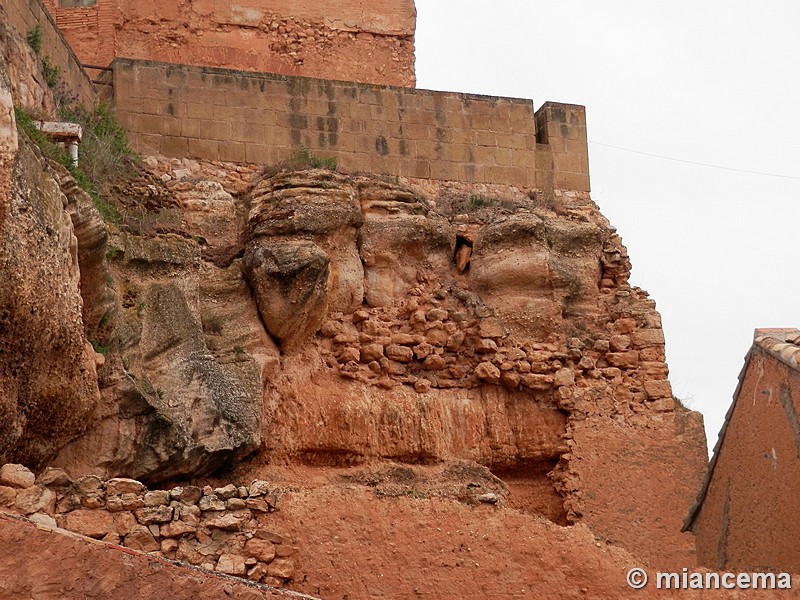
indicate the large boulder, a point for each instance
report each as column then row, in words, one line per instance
column 171, row 406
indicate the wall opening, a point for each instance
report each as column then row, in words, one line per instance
column 532, row 490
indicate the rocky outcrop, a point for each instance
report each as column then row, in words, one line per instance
column 170, row 406
column 332, row 320
column 507, row 335
column 28, row 85
column 99, row 300
column 48, row 382
column 290, row 281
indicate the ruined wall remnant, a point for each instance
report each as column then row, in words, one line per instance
column 354, row 41
column 745, row 518
column 225, row 529
column 261, row 118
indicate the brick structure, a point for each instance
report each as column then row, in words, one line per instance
column 262, row 118
column 88, row 27
column 354, row 41
column 746, row 515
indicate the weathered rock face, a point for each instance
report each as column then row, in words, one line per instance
column 28, row 86
column 99, row 299
column 509, row 337
column 333, row 320
column 48, row 384
column 171, row 407
column 290, row 281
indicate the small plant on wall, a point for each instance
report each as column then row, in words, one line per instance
column 34, row 38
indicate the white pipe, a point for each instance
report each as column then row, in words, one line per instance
column 73, row 152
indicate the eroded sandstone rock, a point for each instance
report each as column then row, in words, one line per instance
column 290, row 281
column 48, row 383
column 170, row 406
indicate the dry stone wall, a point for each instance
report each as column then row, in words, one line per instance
column 446, row 337
column 222, row 529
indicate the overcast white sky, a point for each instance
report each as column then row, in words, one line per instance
column 712, row 82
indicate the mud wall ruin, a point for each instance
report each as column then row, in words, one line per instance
column 354, row 41
column 262, row 118
column 746, row 516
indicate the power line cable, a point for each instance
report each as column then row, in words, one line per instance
column 691, row 162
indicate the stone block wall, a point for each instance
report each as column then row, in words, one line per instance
column 562, row 148
column 24, row 15
column 261, row 118
column 220, row 529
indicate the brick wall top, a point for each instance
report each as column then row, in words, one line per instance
column 263, row 118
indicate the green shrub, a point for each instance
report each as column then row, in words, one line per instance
column 308, row 158
column 105, row 155
column 105, row 152
column 303, row 158
column 52, row 73
column 99, row 348
column 34, row 38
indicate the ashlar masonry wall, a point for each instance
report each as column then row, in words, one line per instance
column 264, row 118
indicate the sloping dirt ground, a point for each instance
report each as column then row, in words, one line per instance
column 380, row 540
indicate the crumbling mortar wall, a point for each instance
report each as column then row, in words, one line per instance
column 338, row 40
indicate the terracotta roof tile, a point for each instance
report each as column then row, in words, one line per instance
column 781, row 343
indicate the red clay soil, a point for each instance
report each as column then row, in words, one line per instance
column 381, row 540
column 43, row 564
column 353, row 545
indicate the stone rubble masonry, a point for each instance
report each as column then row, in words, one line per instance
column 261, row 118
column 426, row 346
column 24, row 15
column 224, row 529
column 49, row 562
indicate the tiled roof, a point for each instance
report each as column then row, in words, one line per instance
column 784, row 345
